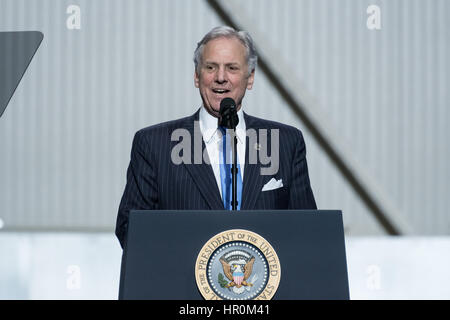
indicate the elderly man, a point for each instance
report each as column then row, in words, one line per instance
column 225, row 62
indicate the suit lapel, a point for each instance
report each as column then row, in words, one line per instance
column 253, row 180
column 202, row 173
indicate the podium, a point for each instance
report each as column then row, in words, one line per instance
column 182, row 255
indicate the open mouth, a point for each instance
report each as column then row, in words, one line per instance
column 220, row 91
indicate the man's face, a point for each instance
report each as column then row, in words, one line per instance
column 223, row 72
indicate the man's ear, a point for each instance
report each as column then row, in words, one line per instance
column 196, row 79
column 251, row 80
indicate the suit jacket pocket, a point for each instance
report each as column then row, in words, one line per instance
column 273, row 199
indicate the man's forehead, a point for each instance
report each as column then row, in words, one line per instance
column 224, row 51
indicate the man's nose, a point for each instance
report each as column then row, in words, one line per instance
column 221, row 76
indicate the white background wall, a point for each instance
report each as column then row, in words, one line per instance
column 65, row 137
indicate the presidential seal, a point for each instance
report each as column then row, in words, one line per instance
column 237, row 265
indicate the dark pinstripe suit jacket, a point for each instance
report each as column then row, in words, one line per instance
column 155, row 182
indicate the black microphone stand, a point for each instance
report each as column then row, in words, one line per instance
column 229, row 119
column 234, row 169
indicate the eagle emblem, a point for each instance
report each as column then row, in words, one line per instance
column 237, row 267
column 228, row 267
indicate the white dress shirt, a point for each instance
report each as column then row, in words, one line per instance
column 213, row 141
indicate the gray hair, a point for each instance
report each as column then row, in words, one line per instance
column 225, row 31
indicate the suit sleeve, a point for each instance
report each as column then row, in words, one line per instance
column 301, row 195
column 141, row 191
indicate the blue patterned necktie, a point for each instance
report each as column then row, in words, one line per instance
column 226, row 160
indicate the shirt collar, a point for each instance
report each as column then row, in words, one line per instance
column 209, row 126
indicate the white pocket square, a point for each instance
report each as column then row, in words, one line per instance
column 273, row 184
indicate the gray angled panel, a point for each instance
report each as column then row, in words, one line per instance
column 16, row 51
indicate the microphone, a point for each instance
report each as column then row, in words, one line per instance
column 228, row 114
